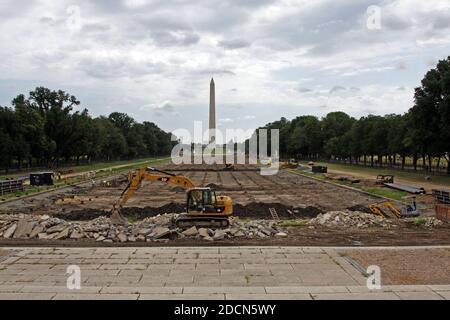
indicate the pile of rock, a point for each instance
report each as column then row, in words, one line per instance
column 433, row 222
column 158, row 228
column 349, row 219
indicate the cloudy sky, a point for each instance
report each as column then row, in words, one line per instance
column 153, row 59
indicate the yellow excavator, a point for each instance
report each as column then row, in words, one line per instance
column 203, row 207
column 386, row 209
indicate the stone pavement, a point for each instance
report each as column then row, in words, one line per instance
column 258, row 273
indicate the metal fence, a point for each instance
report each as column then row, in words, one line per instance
column 10, row 186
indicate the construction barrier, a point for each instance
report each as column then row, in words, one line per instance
column 10, row 186
column 443, row 212
column 443, row 196
column 319, row 169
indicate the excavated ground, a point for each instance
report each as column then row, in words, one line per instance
column 293, row 196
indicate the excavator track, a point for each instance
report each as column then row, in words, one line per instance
column 187, row 221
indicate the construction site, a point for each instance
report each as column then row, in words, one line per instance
column 289, row 208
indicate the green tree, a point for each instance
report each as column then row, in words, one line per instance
column 111, row 143
column 429, row 117
column 306, row 137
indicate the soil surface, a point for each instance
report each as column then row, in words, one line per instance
column 406, row 234
column 407, row 267
column 292, row 196
column 427, row 185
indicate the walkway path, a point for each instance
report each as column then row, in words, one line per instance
column 193, row 273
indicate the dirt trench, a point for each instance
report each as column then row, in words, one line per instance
column 252, row 210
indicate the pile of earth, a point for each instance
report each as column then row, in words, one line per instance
column 256, row 210
column 134, row 213
column 260, row 210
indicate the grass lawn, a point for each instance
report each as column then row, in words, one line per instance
column 413, row 176
column 97, row 166
column 379, row 191
column 387, row 193
column 102, row 170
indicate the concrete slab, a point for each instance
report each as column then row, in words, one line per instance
column 201, row 273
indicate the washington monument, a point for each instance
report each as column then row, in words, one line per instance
column 212, row 112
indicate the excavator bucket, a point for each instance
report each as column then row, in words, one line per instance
column 117, row 218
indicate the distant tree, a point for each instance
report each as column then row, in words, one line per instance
column 122, row 121
column 306, row 137
column 31, row 129
column 336, row 124
column 111, row 143
column 7, row 143
column 428, row 118
column 135, row 139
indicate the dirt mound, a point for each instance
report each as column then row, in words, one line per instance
column 141, row 213
column 262, row 211
column 307, row 212
column 360, row 208
column 133, row 212
column 255, row 210
column 82, row 215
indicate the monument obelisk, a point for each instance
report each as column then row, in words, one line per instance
column 212, row 112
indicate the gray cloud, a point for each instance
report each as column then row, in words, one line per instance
column 114, row 67
column 214, row 71
column 337, row 89
column 156, row 50
column 164, row 108
column 47, row 20
column 95, row 27
column 169, row 39
column 395, row 22
column 401, row 65
column 441, row 20
column 234, row 44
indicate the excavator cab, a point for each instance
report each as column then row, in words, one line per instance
column 203, row 201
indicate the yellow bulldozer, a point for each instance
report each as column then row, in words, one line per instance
column 204, row 208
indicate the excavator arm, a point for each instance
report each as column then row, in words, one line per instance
column 135, row 181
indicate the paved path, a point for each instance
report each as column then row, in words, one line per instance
column 192, row 273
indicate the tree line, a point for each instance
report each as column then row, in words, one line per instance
column 44, row 130
column 420, row 135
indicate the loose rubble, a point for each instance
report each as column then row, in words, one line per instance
column 351, row 219
column 433, row 222
column 357, row 219
column 162, row 228
column 158, row 228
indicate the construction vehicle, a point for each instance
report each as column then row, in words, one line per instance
column 384, row 178
column 387, row 208
column 203, row 207
column 291, row 164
